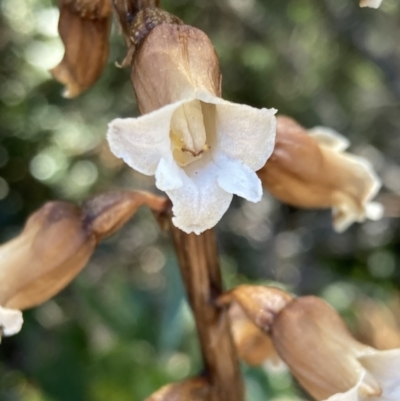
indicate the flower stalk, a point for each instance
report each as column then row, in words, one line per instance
column 200, row 269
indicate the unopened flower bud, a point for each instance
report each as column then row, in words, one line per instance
column 55, row 245
column 310, row 169
column 84, row 28
column 253, row 345
column 321, row 353
column 106, row 213
column 195, row 389
column 48, row 253
column 200, row 148
column 261, row 304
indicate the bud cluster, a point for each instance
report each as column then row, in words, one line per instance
column 312, row 339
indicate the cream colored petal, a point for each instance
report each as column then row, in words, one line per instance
column 370, row 3
column 239, row 179
column 330, row 138
column 10, row 321
column 199, row 203
column 141, row 142
column 242, row 132
column 351, row 202
column 351, row 395
column 385, row 368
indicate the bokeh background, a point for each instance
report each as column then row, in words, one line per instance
column 123, row 328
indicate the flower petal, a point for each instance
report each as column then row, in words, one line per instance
column 385, row 367
column 239, row 179
column 168, row 175
column 141, row 142
column 10, row 321
column 351, row 395
column 359, row 185
column 243, row 132
column 370, row 3
column 330, row 138
column 199, row 203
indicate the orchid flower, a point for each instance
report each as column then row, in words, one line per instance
column 200, row 148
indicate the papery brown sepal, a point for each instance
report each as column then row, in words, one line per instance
column 84, row 28
column 315, row 343
column 253, row 345
column 261, row 304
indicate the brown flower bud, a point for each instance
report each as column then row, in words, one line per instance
column 50, row 251
column 261, row 304
column 309, row 169
column 56, row 244
column 318, row 348
column 107, row 213
column 173, row 63
column 253, row 345
column 195, row 389
column 84, row 27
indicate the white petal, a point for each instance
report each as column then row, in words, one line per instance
column 351, row 395
column 141, row 142
column 330, row 138
column 243, row 133
column 200, row 203
column 385, row 367
column 239, row 179
column 370, row 3
column 168, row 175
column 354, row 204
column 10, row 321
column 374, row 211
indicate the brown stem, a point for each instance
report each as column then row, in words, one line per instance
column 199, row 264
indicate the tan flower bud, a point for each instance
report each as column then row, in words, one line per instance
column 321, row 353
column 84, row 27
column 49, row 252
column 377, row 322
column 253, row 345
column 309, row 169
column 195, row 389
column 55, row 245
column 107, row 213
column 174, row 63
column 261, row 304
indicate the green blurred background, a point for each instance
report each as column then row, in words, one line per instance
column 122, row 329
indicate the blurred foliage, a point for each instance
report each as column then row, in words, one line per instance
column 123, row 328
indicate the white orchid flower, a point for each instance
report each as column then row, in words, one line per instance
column 201, row 148
column 370, row 3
